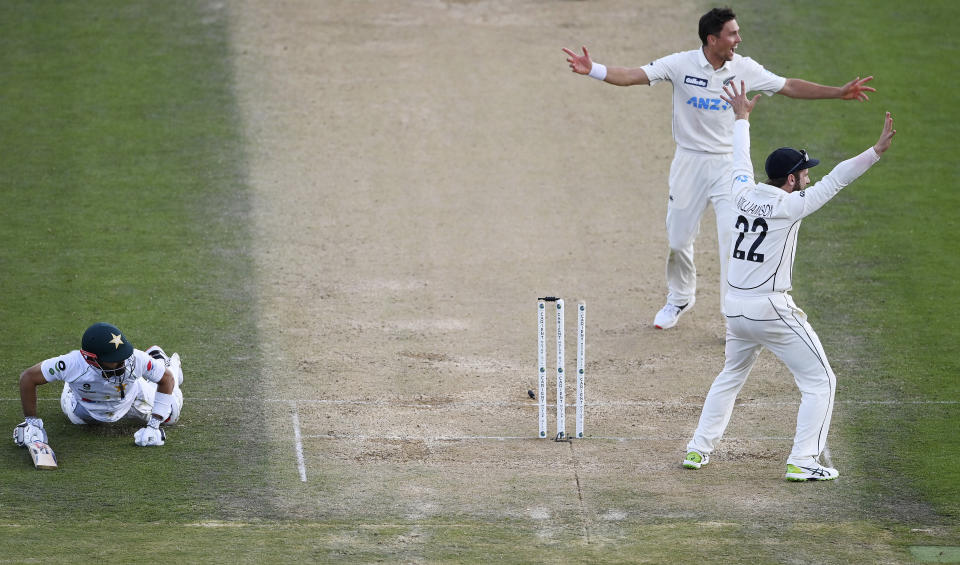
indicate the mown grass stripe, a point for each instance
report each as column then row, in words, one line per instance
column 876, row 267
column 125, row 201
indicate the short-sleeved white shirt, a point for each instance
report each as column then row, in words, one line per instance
column 106, row 400
column 702, row 121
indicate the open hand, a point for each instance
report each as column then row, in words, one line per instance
column 580, row 64
column 855, row 89
column 742, row 106
column 886, row 136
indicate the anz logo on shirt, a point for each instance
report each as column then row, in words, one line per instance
column 708, row 104
column 703, row 103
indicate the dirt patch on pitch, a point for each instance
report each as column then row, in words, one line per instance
column 422, row 171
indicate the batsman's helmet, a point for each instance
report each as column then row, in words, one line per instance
column 105, row 343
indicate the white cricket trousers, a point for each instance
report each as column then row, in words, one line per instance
column 772, row 321
column 696, row 179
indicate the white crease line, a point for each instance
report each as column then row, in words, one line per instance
column 531, row 404
column 298, row 440
column 511, row 438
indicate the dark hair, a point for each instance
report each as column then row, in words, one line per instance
column 778, row 182
column 713, row 21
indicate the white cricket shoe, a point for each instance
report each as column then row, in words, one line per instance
column 177, row 370
column 667, row 317
column 811, row 471
column 695, row 459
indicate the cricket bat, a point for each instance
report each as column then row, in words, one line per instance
column 43, row 457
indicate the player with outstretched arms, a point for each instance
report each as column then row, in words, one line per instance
column 105, row 381
column 703, row 132
column 759, row 309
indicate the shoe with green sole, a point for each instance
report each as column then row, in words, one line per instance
column 695, row 460
column 813, row 471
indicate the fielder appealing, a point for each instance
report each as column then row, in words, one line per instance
column 105, row 381
column 702, row 129
column 760, row 312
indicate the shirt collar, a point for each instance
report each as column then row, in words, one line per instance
column 770, row 189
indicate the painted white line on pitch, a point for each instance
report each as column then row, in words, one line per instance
column 368, row 437
column 653, row 403
column 298, row 440
column 531, row 404
column 639, row 403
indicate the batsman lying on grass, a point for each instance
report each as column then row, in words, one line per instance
column 106, row 381
column 759, row 309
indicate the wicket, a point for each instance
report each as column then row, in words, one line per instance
column 561, row 377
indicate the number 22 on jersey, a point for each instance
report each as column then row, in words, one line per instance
column 743, row 224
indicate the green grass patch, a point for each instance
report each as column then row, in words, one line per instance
column 877, row 267
column 466, row 542
column 125, row 201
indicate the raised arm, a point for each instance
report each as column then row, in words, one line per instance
column 619, row 76
column 742, row 169
column 856, row 89
column 847, row 171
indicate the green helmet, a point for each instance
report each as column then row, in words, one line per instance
column 103, row 342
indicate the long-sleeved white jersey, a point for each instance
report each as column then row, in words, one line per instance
column 768, row 218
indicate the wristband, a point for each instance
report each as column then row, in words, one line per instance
column 162, row 405
column 35, row 422
column 598, row 71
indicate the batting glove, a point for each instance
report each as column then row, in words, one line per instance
column 150, row 435
column 29, row 431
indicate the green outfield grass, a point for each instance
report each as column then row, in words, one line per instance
column 125, row 200
column 877, row 268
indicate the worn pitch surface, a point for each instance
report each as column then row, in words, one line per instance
column 422, row 171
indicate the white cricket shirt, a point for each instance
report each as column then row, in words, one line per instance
column 768, row 218
column 702, row 121
column 106, row 400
